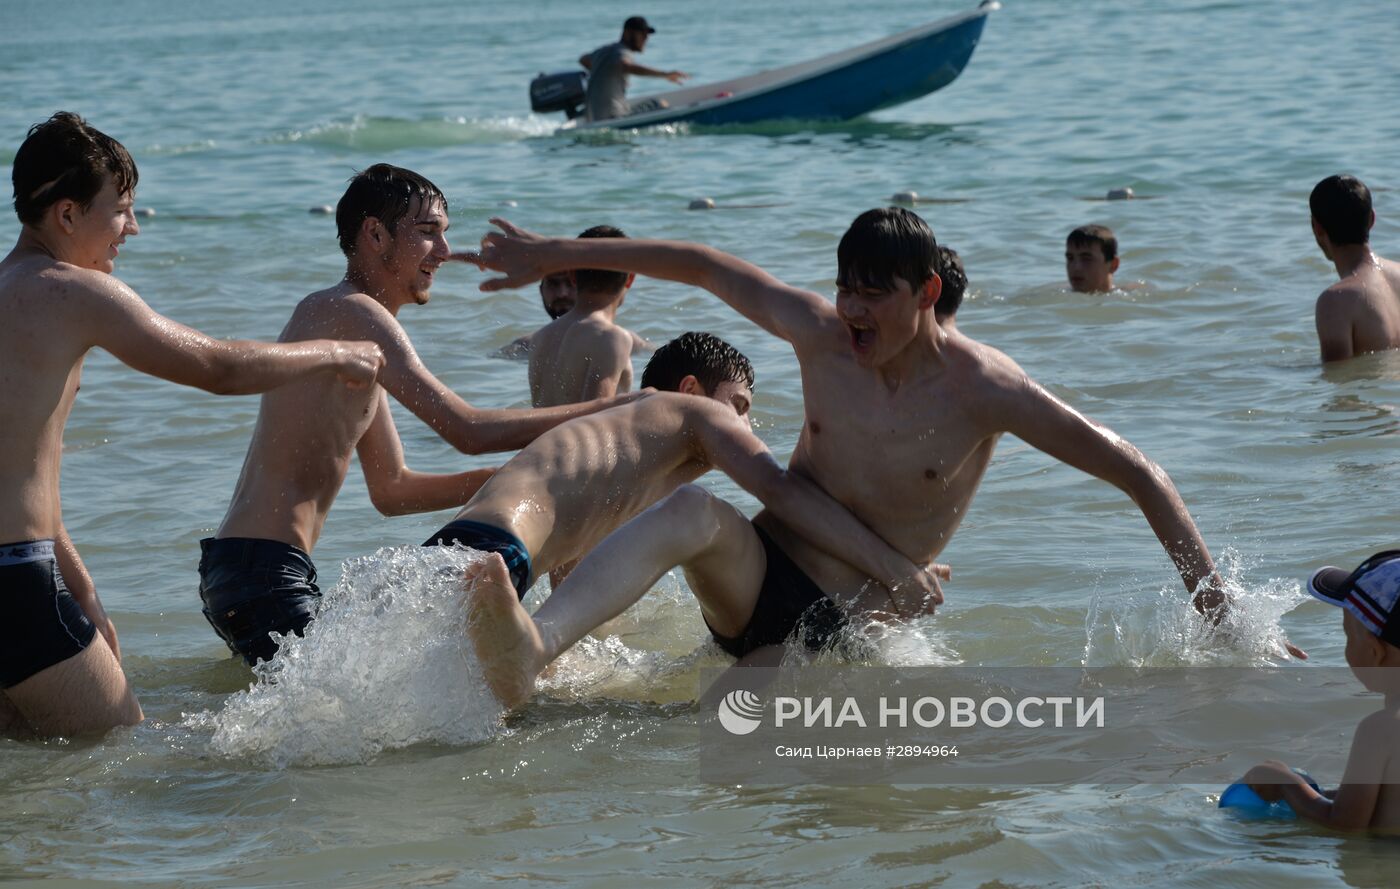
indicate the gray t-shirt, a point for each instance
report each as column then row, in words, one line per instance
column 607, row 82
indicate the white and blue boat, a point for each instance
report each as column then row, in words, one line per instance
column 837, row 86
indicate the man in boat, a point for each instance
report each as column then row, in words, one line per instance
column 902, row 415
column 1361, row 312
column 256, row 574
column 609, row 67
column 60, row 664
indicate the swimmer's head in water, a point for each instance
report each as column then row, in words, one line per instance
column 557, row 293
column 1341, row 207
column 1091, row 258
column 954, row 276
column 64, row 158
column 721, row 370
column 601, row 281
column 386, row 193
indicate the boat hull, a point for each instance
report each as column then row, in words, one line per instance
column 836, row 87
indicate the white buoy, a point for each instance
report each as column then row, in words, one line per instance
column 509, row 204
column 321, row 210
column 702, row 204
column 905, row 197
column 1120, row 194
column 143, row 212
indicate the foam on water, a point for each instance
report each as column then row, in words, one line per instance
column 385, row 665
column 1159, row 628
column 377, row 134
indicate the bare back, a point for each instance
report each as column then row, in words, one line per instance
column 578, row 358
column 576, row 483
column 44, row 339
column 306, row 431
column 1361, row 313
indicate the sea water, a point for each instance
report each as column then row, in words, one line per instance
column 371, row 754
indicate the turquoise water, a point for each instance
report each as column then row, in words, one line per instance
column 243, row 116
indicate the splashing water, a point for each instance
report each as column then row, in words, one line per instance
column 1160, row 628
column 385, row 665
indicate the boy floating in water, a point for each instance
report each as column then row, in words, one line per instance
column 1369, row 797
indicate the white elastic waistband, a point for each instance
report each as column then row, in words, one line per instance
column 22, row 553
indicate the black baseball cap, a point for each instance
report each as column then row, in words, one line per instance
column 637, row 23
column 1371, row 593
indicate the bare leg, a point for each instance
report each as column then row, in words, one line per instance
column 722, row 556
column 86, row 694
column 559, row 573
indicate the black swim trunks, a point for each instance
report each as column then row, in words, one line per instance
column 788, row 601
column 490, row 539
column 41, row 624
column 252, row 587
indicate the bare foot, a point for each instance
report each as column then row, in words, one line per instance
column 507, row 643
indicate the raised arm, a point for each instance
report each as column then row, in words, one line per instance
column 116, row 319
column 787, row 312
column 394, row 489
column 726, row 442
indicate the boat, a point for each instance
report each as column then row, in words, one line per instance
column 836, row 86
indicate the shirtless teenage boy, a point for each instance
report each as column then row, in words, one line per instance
column 1361, row 312
column 256, row 573
column 557, row 296
column 584, row 353
column 60, row 664
column 566, row 491
column 903, row 413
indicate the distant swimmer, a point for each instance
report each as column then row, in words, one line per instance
column 1091, row 259
column 256, row 573
column 558, row 294
column 1361, row 312
column 610, row 65
column 564, row 493
column 903, row 413
column 585, row 353
column 60, row 664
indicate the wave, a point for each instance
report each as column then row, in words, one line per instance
column 379, row 134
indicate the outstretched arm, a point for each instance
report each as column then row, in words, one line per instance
column 784, row 311
column 645, row 71
column 394, row 489
column 469, row 429
column 726, row 442
column 120, row 322
column 1017, row 405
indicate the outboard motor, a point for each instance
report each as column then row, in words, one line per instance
column 564, row 91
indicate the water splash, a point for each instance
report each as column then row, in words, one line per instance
column 1159, row 628
column 385, row 665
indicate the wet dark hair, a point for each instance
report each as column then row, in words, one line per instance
column 950, row 269
column 1341, row 204
column 883, row 244
column 599, row 280
column 385, row 192
column 1095, row 234
column 706, row 357
column 65, row 159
